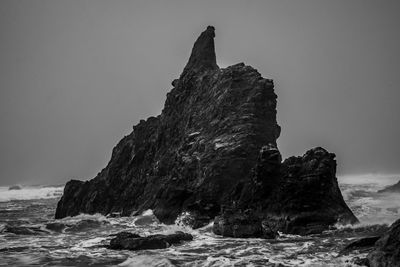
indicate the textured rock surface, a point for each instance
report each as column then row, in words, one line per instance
column 387, row 248
column 364, row 244
column 133, row 241
column 190, row 157
column 299, row 196
column 213, row 146
column 391, row 189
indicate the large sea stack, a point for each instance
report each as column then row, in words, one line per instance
column 212, row 151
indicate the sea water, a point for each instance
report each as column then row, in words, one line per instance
column 82, row 240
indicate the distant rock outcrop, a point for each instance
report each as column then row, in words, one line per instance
column 213, row 148
column 15, row 187
column 391, row 189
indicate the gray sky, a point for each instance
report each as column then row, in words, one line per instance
column 76, row 75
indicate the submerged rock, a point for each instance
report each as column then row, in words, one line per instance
column 214, row 145
column 131, row 241
column 23, row 230
column 387, row 249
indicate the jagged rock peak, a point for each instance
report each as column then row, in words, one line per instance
column 203, row 52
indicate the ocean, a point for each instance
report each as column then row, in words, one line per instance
column 80, row 240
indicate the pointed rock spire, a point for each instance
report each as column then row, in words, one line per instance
column 203, row 52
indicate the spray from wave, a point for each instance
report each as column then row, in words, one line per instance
column 30, row 192
column 361, row 194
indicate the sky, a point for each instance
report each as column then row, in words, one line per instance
column 76, row 75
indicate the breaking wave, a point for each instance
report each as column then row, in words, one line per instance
column 361, row 194
column 30, row 192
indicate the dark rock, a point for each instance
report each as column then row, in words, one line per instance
column 360, row 261
column 135, row 242
column 193, row 155
column 241, row 225
column 237, row 225
column 387, row 249
column 299, row 196
column 363, row 244
column 391, row 189
column 23, row 230
column 214, row 145
column 15, row 187
column 124, row 235
column 14, row 249
column 203, row 53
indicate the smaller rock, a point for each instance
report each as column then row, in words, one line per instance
column 23, row 230
column 124, row 235
column 133, row 241
column 360, row 261
column 241, row 225
column 15, row 187
column 387, row 248
column 363, row 244
column 391, row 189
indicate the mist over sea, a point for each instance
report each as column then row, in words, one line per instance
column 81, row 240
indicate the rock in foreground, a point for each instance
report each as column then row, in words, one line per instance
column 387, row 248
column 132, row 241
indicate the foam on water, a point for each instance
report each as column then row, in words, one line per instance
column 84, row 239
column 144, row 260
column 30, row 192
column 370, row 207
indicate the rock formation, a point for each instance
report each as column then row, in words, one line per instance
column 387, row 248
column 391, row 189
column 213, row 148
column 299, row 196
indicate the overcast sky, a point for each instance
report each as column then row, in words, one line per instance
column 76, row 75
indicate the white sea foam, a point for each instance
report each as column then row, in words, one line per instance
column 82, row 217
column 370, row 207
column 146, row 260
column 30, row 192
column 368, row 178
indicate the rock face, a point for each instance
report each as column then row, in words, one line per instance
column 214, row 146
column 299, row 196
column 387, row 248
column 190, row 157
column 391, row 189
